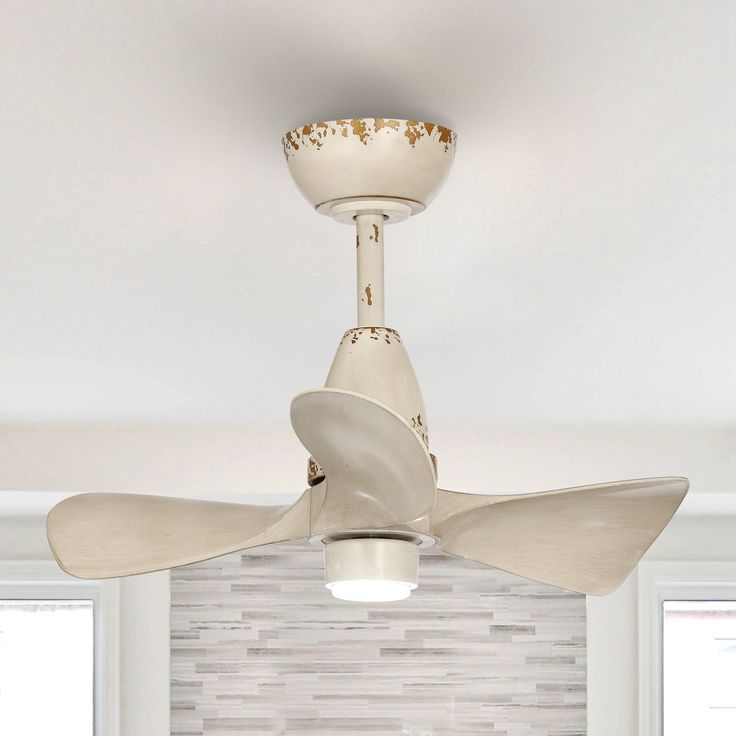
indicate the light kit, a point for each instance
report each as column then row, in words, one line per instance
column 373, row 501
column 369, row 569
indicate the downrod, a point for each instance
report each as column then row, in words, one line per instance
column 369, row 250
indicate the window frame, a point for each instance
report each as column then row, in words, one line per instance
column 658, row 582
column 44, row 580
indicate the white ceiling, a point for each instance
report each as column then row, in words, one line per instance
column 158, row 266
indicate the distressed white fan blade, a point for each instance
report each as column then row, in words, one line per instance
column 378, row 472
column 106, row 535
column 585, row 539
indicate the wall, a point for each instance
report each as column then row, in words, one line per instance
column 613, row 630
column 260, row 647
column 144, row 631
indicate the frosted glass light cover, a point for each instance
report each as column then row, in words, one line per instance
column 371, row 591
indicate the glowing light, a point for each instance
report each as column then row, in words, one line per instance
column 371, row 591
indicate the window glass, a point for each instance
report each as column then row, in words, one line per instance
column 699, row 668
column 47, row 667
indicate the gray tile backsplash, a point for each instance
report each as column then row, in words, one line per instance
column 260, row 647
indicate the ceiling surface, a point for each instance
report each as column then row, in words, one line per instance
column 158, row 266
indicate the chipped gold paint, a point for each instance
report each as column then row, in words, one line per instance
column 413, row 132
column 375, row 234
column 387, row 334
column 368, row 295
column 420, row 429
column 364, row 130
column 381, row 123
column 446, row 136
column 315, row 472
column 293, row 142
column 360, row 130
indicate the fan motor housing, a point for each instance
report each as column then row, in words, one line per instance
column 373, row 361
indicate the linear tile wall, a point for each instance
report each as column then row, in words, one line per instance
column 259, row 647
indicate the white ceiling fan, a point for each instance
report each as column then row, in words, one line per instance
column 373, row 500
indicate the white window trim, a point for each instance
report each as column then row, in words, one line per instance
column 660, row 581
column 44, row 579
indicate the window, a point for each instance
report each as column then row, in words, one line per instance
column 687, row 652
column 58, row 653
column 699, row 667
column 47, row 667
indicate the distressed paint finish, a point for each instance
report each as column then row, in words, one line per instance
column 387, row 334
column 420, row 428
column 373, row 361
column 365, row 130
column 315, row 472
column 343, row 163
column 369, row 239
column 259, row 647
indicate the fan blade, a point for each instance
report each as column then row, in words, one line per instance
column 107, row 535
column 378, row 472
column 585, row 539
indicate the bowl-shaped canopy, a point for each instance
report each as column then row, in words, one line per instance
column 369, row 158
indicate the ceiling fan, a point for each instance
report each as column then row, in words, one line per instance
column 372, row 500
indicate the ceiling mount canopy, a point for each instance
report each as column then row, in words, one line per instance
column 346, row 167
